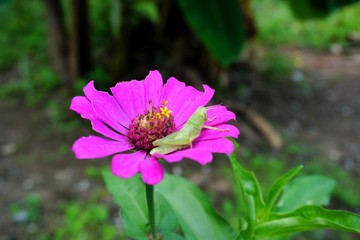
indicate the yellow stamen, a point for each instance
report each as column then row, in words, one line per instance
column 165, row 111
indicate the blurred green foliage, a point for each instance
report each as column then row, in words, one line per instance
column 277, row 25
column 61, row 119
column 22, row 32
column 277, row 65
column 34, row 84
column 305, row 9
column 29, row 210
column 219, row 25
column 26, row 47
column 85, row 221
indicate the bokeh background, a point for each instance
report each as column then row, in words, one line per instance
column 290, row 69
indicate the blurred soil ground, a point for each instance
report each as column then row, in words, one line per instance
column 35, row 158
column 325, row 113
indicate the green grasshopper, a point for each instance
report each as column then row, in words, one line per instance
column 183, row 138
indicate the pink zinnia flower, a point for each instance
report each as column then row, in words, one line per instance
column 139, row 112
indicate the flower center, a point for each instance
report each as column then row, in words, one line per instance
column 153, row 124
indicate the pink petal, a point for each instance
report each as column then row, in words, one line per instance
column 205, row 97
column 229, row 131
column 82, row 106
column 184, row 100
column 108, row 115
column 220, row 145
column 180, row 98
column 201, row 151
column 106, row 108
column 151, row 170
column 173, row 90
column 153, row 88
column 127, row 165
column 102, row 128
column 131, row 97
column 201, row 156
column 218, row 114
column 97, row 147
column 187, row 110
column 185, row 105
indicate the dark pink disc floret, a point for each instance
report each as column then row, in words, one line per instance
column 148, row 127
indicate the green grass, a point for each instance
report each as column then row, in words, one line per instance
column 85, row 221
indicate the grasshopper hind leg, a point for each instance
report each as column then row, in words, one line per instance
column 216, row 129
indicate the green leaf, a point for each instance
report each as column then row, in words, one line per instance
column 197, row 217
column 147, row 10
column 278, row 186
column 306, row 190
column 166, row 219
column 130, row 195
column 172, row 236
column 308, row 218
column 218, row 24
column 249, row 195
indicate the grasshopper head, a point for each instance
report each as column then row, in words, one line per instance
column 203, row 112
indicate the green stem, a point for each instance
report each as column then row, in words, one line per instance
column 151, row 209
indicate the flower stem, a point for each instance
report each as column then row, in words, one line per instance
column 151, row 209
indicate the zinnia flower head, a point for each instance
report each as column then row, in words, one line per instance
column 140, row 112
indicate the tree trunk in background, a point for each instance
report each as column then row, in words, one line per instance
column 79, row 41
column 250, row 26
column 59, row 48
